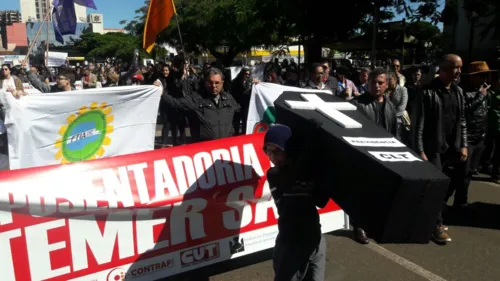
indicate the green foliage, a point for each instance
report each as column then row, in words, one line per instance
column 424, row 31
column 228, row 27
column 109, row 45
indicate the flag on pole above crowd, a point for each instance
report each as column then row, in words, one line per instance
column 64, row 16
column 159, row 14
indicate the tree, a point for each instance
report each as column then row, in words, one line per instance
column 228, row 27
column 102, row 46
column 224, row 28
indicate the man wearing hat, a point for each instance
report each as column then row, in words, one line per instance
column 300, row 246
column 476, row 88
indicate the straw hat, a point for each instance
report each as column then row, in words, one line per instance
column 477, row 67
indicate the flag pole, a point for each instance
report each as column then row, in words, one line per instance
column 47, row 39
column 180, row 34
column 36, row 36
column 178, row 28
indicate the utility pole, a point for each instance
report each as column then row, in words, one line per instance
column 376, row 18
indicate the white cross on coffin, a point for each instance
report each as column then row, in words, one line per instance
column 330, row 109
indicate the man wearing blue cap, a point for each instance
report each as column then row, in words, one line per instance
column 300, row 248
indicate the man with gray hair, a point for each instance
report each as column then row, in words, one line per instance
column 212, row 109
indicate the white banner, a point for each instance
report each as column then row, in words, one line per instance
column 53, row 128
column 56, row 59
column 29, row 89
column 79, row 85
column 261, row 111
column 257, row 71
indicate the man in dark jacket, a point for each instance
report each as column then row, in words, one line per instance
column 300, row 250
column 476, row 114
column 212, row 109
column 378, row 108
column 241, row 89
column 440, row 128
column 375, row 105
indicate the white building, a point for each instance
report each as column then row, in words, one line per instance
column 36, row 10
column 96, row 22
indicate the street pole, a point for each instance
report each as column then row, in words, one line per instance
column 403, row 49
column 471, row 37
column 47, row 39
column 376, row 11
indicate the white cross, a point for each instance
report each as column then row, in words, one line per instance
column 330, row 109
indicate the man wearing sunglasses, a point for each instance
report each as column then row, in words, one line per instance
column 300, row 246
column 63, row 80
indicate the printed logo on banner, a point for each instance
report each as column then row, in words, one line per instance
column 200, row 254
column 150, row 268
column 236, row 246
column 387, row 156
column 269, row 117
column 116, row 274
column 85, row 134
column 374, row 142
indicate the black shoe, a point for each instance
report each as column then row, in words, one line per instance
column 360, row 236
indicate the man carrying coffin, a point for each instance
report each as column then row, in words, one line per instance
column 440, row 127
column 300, row 248
column 378, row 108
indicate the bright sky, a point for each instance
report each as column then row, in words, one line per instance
column 116, row 10
column 113, row 10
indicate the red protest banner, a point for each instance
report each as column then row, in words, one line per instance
column 143, row 216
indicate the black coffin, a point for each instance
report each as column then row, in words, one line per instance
column 381, row 184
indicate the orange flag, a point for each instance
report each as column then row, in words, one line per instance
column 159, row 14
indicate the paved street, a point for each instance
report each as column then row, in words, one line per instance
column 474, row 253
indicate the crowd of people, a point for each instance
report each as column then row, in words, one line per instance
column 449, row 118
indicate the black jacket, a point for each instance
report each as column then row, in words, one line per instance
column 367, row 104
column 476, row 114
column 210, row 121
column 296, row 201
column 427, row 119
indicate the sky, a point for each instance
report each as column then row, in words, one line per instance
column 113, row 10
column 116, row 10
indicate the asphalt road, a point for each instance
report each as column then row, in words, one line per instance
column 474, row 253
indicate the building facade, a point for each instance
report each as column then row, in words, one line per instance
column 36, row 10
column 10, row 16
column 459, row 37
column 12, row 32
